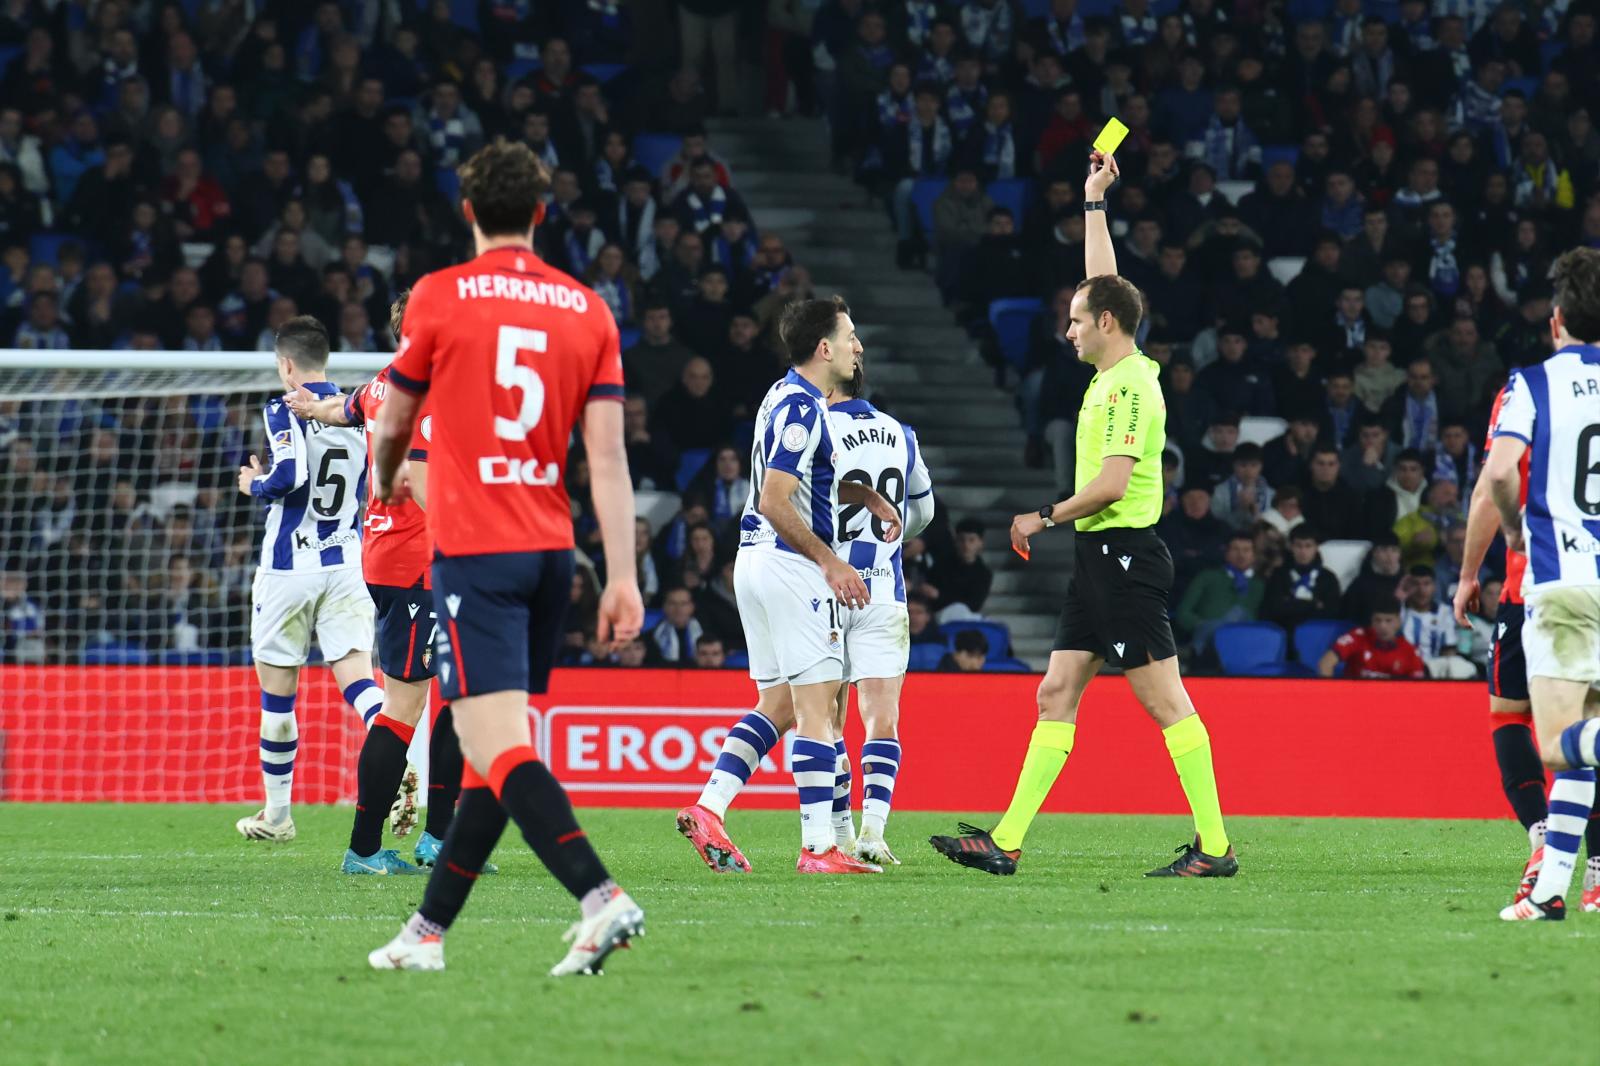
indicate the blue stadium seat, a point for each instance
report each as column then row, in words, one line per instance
column 923, row 194
column 449, row 183
column 1547, row 53
column 603, row 72
column 1250, row 648
column 191, row 658
column 1035, row 9
column 690, row 463
column 627, row 336
column 1010, row 320
column 241, row 657
column 7, row 54
column 1528, row 87
column 464, row 13
column 1007, row 666
column 653, row 150
column 1312, row 639
column 518, row 69
column 1279, row 153
column 736, row 660
column 998, row 635
column 115, row 653
column 45, row 248
column 652, row 618
column 1090, row 9
column 925, row 657
column 1014, row 195
column 1309, row 10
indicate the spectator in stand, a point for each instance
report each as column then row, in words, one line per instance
column 1341, row 410
column 1245, row 497
column 996, row 268
column 1225, row 143
column 657, row 361
column 1430, row 626
column 1400, row 495
column 1284, row 514
column 1210, row 464
column 1466, row 366
column 920, row 149
column 963, row 578
column 1365, row 465
column 1219, row 595
column 1302, row 588
column 990, row 146
column 673, row 640
column 725, row 487
column 1376, row 379
column 692, row 414
column 1328, row 502
column 709, row 654
column 23, row 638
column 960, row 217
column 615, row 281
column 1413, row 412
column 967, row 655
column 650, row 461
column 1193, row 535
column 1457, row 459
column 706, row 203
column 1375, row 651
column 1422, row 532
column 921, row 625
column 1235, row 381
column 43, row 329
column 644, row 560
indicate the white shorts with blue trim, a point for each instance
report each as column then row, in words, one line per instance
column 793, row 629
column 877, row 641
column 288, row 609
column 1561, row 633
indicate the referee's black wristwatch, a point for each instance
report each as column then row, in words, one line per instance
column 1045, row 512
column 1094, row 205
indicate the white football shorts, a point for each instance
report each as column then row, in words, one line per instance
column 288, row 609
column 1561, row 633
column 791, row 623
column 877, row 641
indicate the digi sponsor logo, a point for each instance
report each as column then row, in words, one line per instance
column 647, row 749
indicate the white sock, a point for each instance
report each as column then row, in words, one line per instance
column 1536, row 835
column 366, row 697
column 813, row 763
column 595, row 900
column 1571, row 800
column 1591, row 873
column 280, row 739
column 880, row 763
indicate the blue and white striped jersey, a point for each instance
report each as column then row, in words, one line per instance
column 314, row 491
column 879, row 451
column 792, row 435
column 1554, row 407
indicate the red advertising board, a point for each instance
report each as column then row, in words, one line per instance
column 648, row 738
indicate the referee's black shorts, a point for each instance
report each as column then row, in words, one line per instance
column 1117, row 599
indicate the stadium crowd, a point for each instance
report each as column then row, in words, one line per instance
column 1342, row 213
column 188, row 177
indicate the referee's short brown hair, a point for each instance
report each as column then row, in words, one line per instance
column 1577, row 282
column 1111, row 292
column 806, row 323
column 304, row 342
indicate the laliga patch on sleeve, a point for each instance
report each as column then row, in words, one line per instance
column 427, row 428
column 794, row 436
column 283, row 439
column 1111, row 137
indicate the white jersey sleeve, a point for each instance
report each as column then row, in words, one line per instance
column 919, row 490
column 1554, row 407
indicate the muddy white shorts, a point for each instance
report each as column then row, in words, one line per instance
column 792, row 626
column 288, row 609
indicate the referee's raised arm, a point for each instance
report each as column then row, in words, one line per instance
column 1100, row 255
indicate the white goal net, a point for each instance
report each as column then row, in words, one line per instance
column 126, row 559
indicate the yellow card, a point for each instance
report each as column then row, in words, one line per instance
column 1110, row 138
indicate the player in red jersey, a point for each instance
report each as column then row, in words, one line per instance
column 1375, row 651
column 395, row 557
column 1522, row 774
column 515, row 355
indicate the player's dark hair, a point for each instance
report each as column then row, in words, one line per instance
column 397, row 312
column 304, row 342
column 504, row 183
column 806, row 323
column 972, row 641
column 1577, row 283
column 1303, row 531
column 1110, row 292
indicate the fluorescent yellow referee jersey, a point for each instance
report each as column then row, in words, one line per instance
column 1124, row 413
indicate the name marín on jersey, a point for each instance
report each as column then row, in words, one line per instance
column 870, row 436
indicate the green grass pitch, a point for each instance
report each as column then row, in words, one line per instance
column 134, row 934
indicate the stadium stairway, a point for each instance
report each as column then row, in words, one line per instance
column 921, row 367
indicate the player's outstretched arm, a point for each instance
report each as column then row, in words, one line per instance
column 1505, row 486
column 776, row 503
column 1099, row 254
column 1482, row 522
column 391, row 439
column 621, row 614
column 874, row 502
column 330, row 411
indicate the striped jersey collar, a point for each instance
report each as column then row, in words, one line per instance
column 1589, row 353
column 793, row 378
column 322, row 388
column 853, row 407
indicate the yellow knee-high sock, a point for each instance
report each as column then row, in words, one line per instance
column 1190, row 747
column 1048, row 749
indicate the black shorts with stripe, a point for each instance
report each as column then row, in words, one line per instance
column 1117, row 598
column 502, row 618
column 1508, row 667
column 406, row 626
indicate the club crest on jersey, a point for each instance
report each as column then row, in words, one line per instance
column 794, row 436
column 833, row 640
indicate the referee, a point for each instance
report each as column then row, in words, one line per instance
column 1122, row 576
